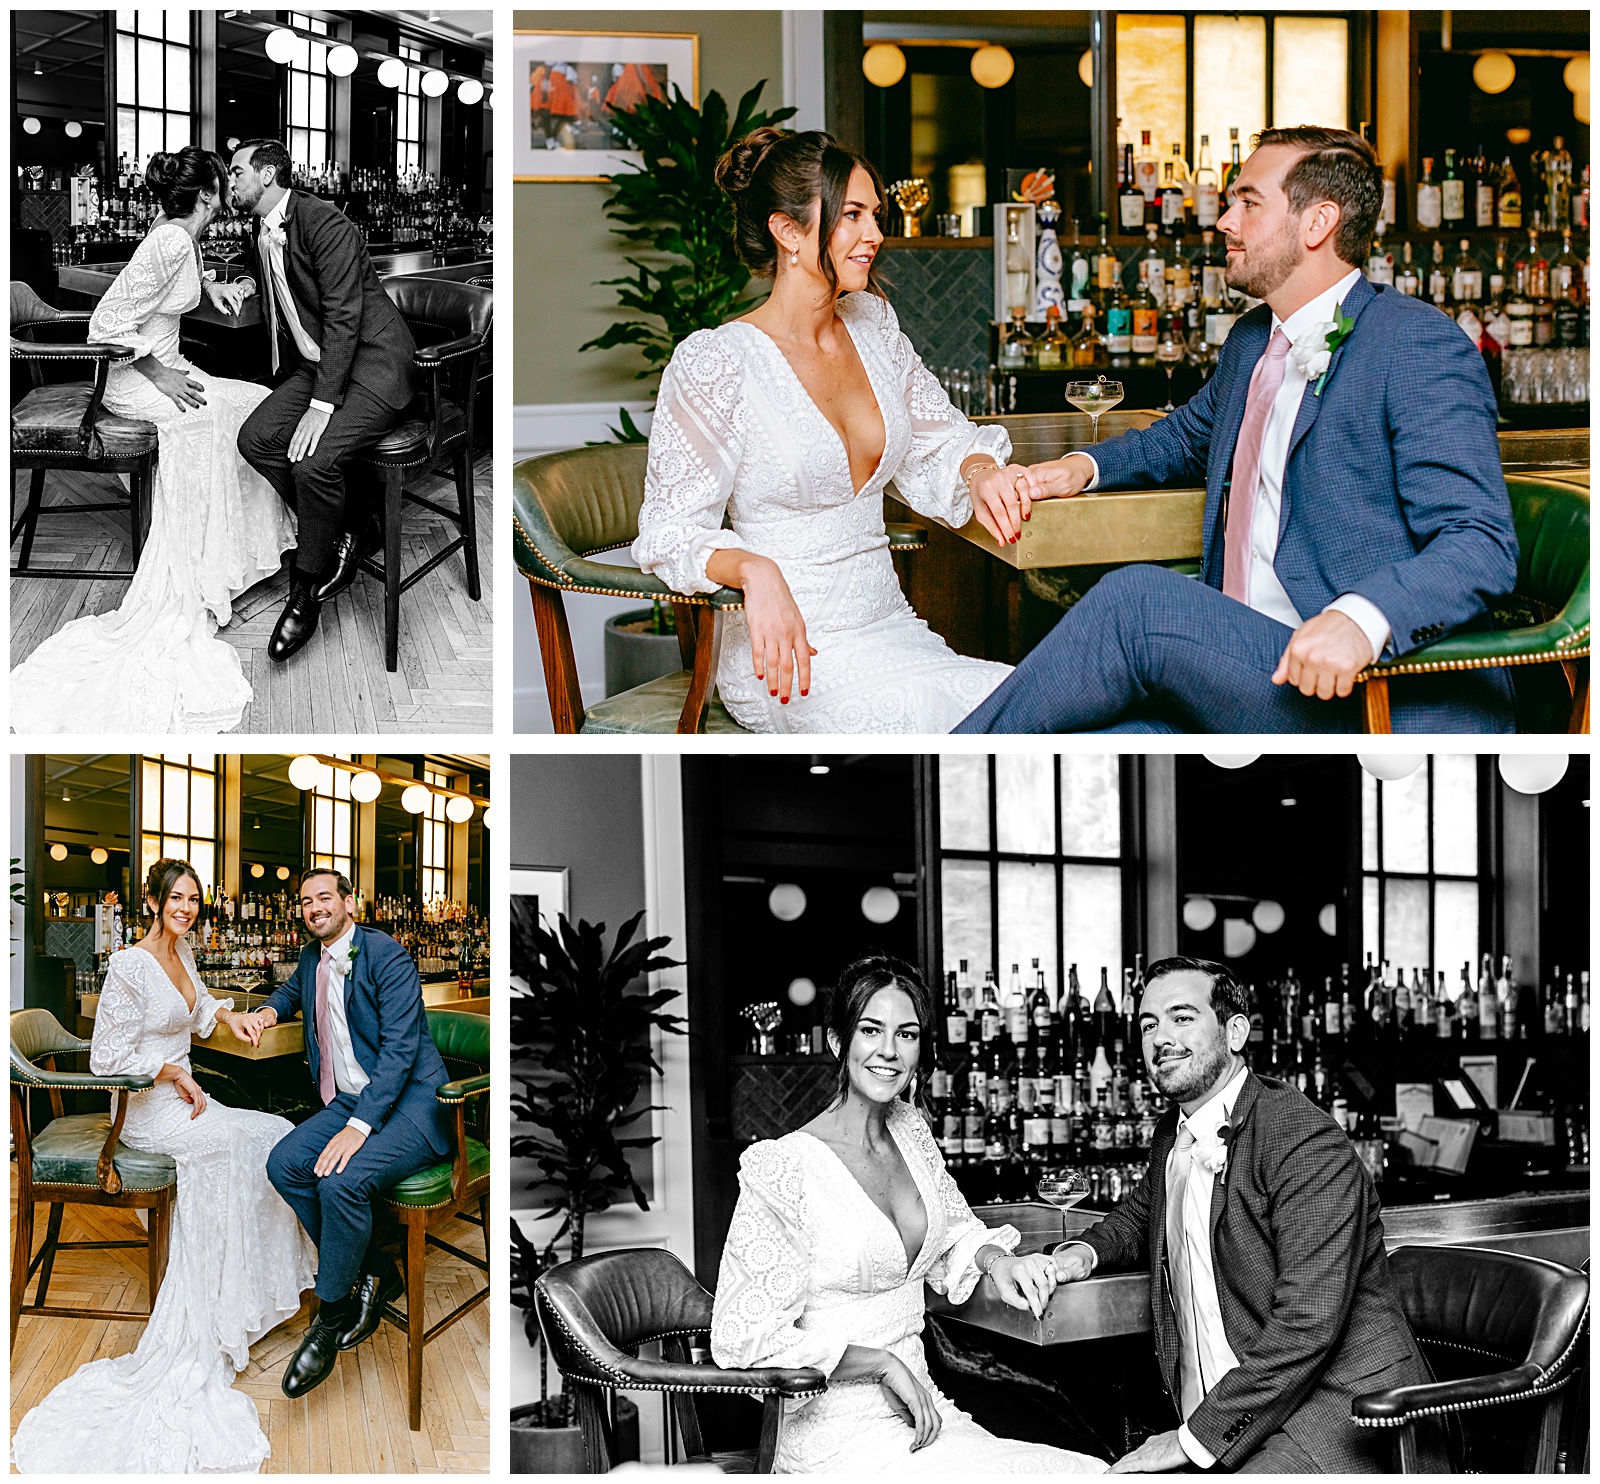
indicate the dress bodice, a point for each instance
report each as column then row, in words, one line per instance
column 144, row 305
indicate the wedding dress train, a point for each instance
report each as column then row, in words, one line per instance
column 812, row 1265
column 239, row 1262
column 155, row 664
column 735, row 431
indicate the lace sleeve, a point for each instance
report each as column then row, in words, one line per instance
column 954, row 1271
column 141, row 290
column 696, row 439
column 206, row 1004
column 766, row 1271
column 115, row 1049
column 929, row 477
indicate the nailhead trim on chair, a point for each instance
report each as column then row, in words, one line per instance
column 1552, row 1380
column 565, row 584
column 79, row 1185
column 17, row 1075
column 1433, row 666
column 618, row 1378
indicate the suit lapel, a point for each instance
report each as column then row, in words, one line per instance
column 1360, row 295
column 1219, row 1188
column 1161, row 1297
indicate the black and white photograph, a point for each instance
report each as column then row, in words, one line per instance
column 252, row 305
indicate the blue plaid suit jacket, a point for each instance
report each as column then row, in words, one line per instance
column 1393, row 487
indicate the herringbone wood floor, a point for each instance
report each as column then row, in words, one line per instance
column 355, row 1422
column 337, row 684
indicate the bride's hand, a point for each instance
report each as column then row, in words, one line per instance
column 227, row 297
column 189, row 1090
column 173, row 383
column 909, row 1400
column 779, row 650
column 1002, row 499
column 1025, row 1282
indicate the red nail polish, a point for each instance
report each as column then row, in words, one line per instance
column 784, row 701
column 805, row 693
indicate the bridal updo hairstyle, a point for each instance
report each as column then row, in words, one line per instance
column 796, row 175
column 858, row 982
column 177, row 179
column 167, row 872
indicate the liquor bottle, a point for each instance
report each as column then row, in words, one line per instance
column 1153, row 265
column 1230, row 176
column 1428, row 198
column 1438, row 279
column 1019, row 280
column 1552, row 1004
column 1119, row 322
column 1568, row 320
column 1017, row 349
column 1380, row 261
column 1179, row 276
column 1077, row 275
column 966, row 992
column 1483, row 189
column 1570, row 1008
column 1544, row 309
column 989, row 1016
column 1566, row 272
column 1104, row 1125
column 1332, row 1027
column 1205, row 187
column 1512, row 1025
column 1508, row 197
column 1321, row 1090
column 1466, row 276
column 972, row 1120
column 1171, row 200
column 1558, row 187
column 1027, row 1094
column 938, row 1090
column 1036, row 1143
column 1580, row 202
column 1583, row 1003
column 1406, row 280
column 995, row 1136
column 950, row 1132
column 1147, row 171
column 1452, row 193
column 1488, row 1005
column 1467, row 1005
column 1015, row 1007
column 1444, row 1012
column 1130, row 199
column 1053, row 346
column 1347, row 1004
column 1146, row 328
column 1039, row 1006
column 955, row 1019
column 1137, row 991
column 1061, row 1109
column 1519, row 310
column 1082, row 1114
column 1088, row 345
column 1105, row 1011
column 1402, row 1007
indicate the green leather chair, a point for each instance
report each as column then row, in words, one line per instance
column 570, row 507
column 1543, row 624
column 456, row 1186
column 77, row 1159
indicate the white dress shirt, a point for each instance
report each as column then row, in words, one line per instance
column 282, row 299
column 347, row 1073
column 1266, row 592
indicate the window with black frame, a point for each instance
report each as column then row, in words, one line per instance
column 153, row 85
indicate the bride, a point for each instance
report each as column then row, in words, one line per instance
column 239, row 1257
column 791, row 420
column 838, row 1226
column 217, row 527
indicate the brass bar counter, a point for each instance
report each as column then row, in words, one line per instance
column 1115, row 1304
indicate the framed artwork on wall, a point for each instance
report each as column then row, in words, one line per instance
column 538, row 895
column 576, row 83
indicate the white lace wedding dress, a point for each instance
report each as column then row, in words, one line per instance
column 735, row 431
column 811, row 1266
column 155, row 664
column 238, row 1265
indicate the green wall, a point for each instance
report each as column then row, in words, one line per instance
column 562, row 238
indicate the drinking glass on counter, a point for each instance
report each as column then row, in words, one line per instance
column 1170, row 352
column 1063, row 1188
column 1095, row 398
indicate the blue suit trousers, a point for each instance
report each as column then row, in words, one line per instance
column 336, row 1210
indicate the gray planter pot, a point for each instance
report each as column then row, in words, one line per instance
column 634, row 658
column 544, row 1450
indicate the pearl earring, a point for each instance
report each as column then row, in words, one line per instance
column 794, row 258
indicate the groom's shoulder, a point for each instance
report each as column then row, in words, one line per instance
column 377, row 942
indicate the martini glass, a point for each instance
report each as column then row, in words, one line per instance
column 1170, row 351
column 1096, row 398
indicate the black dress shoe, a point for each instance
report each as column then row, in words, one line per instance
column 371, row 1293
column 296, row 624
column 349, row 552
column 313, row 1362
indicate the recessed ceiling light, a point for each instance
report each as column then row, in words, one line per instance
column 1289, row 803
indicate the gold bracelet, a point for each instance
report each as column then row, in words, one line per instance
column 977, row 469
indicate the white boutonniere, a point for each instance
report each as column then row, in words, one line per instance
column 1212, row 1154
column 345, row 959
column 1313, row 351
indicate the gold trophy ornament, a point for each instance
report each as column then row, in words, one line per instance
column 912, row 197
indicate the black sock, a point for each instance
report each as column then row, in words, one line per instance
column 337, row 1313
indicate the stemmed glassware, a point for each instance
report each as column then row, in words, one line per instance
column 1096, row 398
column 1063, row 1188
column 1170, row 351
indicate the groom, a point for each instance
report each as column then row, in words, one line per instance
column 376, row 1071
column 1260, row 1229
column 1355, row 504
column 342, row 362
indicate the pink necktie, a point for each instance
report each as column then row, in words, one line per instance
column 1264, row 386
column 325, row 1083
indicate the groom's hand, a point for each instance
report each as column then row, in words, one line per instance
column 1324, row 656
column 1059, row 479
column 1158, row 1455
column 339, row 1151
column 307, row 434
column 249, row 1027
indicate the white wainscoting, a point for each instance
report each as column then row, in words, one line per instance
column 548, row 428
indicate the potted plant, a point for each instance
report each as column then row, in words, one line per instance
column 641, row 645
column 583, row 1036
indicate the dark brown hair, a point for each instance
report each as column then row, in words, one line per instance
column 1336, row 166
column 1228, row 997
column 858, row 982
column 270, row 152
column 163, row 878
column 177, row 179
column 343, row 881
column 796, row 175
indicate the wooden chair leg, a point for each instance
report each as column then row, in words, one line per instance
column 698, row 701
column 416, row 1291
column 160, row 1231
column 1578, row 680
column 469, row 521
column 30, row 517
column 139, row 484
column 1376, row 699
column 21, row 1256
column 683, row 624
column 52, row 1237
column 555, row 651
column 393, row 493
column 771, row 1430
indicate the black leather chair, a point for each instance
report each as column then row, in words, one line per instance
column 451, row 323
column 62, row 425
column 1517, row 1320
column 596, row 1312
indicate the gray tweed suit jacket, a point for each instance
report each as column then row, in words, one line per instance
column 1302, row 1281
